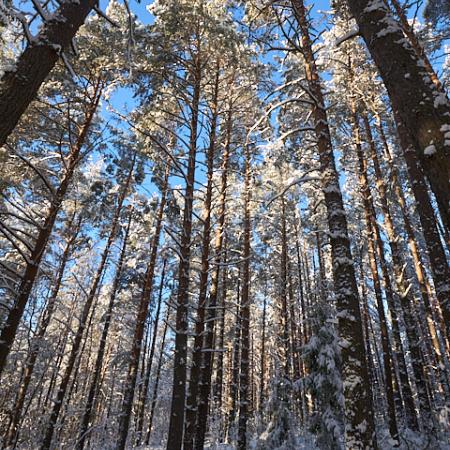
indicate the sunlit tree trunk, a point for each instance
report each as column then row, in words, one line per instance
column 141, row 317
column 83, row 319
column 31, row 271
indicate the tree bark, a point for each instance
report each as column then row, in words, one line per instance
column 19, row 86
column 244, row 372
column 157, row 378
column 422, row 110
column 195, row 374
column 139, row 328
column 359, row 426
column 31, row 271
column 371, row 238
column 176, row 426
column 211, row 312
column 142, row 402
column 91, row 397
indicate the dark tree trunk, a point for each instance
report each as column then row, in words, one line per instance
column 195, row 374
column 157, row 378
column 176, row 426
column 211, row 312
column 389, row 373
column 421, row 109
column 19, row 86
column 142, row 402
column 359, row 427
column 244, row 372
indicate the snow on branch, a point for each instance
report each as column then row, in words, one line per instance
column 349, row 35
column 104, row 16
column 295, row 181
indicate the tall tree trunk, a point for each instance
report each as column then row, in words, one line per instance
column 284, row 346
column 136, row 345
column 438, row 261
column 218, row 386
column 419, row 107
column 37, row 339
column 359, row 426
column 211, row 312
column 262, row 375
column 389, row 373
column 244, row 371
column 12, row 322
column 85, row 313
column 93, row 390
column 195, row 374
column 157, row 378
column 403, row 284
column 425, row 288
column 142, row 402
column 19, row 86
column 234, row 359
column 177, row 410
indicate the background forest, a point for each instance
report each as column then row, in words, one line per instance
column 224, row 224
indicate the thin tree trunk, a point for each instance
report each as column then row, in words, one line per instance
column 177, row 411
column 91, row 396
column 42, row 328
column 139, row 328
column 244, row 372
column 262, row 375
column 31, row 271
column 371, row 239
column 195, row 374
column 425, row 288
column 403, row 284
column 235, row 358
column 284, row 346
column 141, row 405
column 75, row 351
column 157, row 379
column 438, row 262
